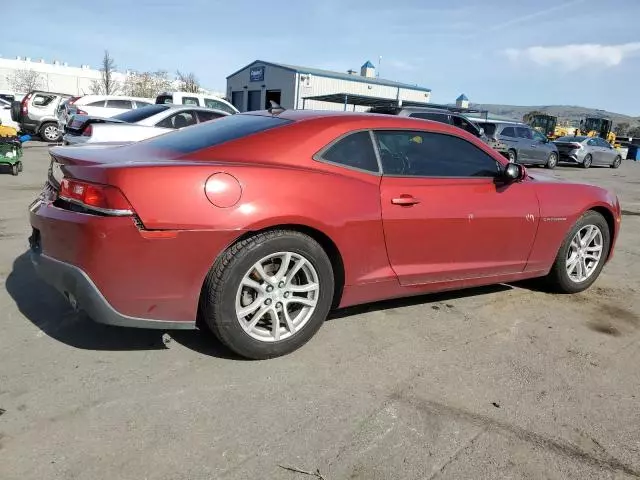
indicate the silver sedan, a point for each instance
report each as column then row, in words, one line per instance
column 588, row 151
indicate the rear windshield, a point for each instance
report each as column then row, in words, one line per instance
column 571, row 139
column 162, row 99
column 133, row 116
column 208, row 134
column 489, row 128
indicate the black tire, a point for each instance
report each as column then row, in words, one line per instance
column 16, row 107
column 19, row 166
column 512, row 155
column 46, row 129
column 616, row 162
column 217, row 302
column 588, row 160
column 15, row 169
column 552, row 161
column 558, row 278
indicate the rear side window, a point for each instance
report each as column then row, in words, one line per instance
column 163, row 99
column 42, row 100
column 205, row 135
column 436, row 117
column 120, row 104
column 355, row 151
column 489, row 128
column 138, row 114
column 190, row 101
column 99, row 103
column 140, row 104
column 508, row 132
column 206, row 116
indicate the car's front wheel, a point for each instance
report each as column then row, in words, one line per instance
column 582, row 254
column 616, row 162
column 267, row 295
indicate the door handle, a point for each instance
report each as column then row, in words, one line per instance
column 534, row 145
column 405, row 200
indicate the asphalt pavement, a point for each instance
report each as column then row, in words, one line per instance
column 497, row 382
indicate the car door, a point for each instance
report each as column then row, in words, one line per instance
column 527, row 148
column 445, row 215
column 608, row 153
column 594, row 150
column 540, row 146
column 509, row 137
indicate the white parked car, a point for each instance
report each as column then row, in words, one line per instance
column 199, row 99
column 105, row 106
column 136, row 125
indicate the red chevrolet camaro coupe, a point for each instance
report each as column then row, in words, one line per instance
column 257, row 224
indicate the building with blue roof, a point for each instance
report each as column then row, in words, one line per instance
column 462, row 101
column 254, row 86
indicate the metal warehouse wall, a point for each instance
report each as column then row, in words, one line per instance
column 274, row 79
column 324, row 85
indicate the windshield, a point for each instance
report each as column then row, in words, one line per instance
column 133, row 116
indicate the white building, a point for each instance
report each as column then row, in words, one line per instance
column 54, row 77
column 254, row 86
column 462, row 101
column 59, row 77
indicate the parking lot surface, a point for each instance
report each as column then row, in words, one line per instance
column 498, row 382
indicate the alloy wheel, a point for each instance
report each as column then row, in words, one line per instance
column 584, row 254
column 51, row 132
column 277, row 296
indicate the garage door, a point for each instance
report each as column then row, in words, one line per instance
column 254, row 100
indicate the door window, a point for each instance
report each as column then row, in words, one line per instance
column 179, row 120
column 603, row 143
column 538, row 136
column 524, row 132
column 99, row 103
column 354, row 151
column 592, row 143
column 508, row 132
column 427, row 154
column 436, row 117
column 140, row 104
column 190, row 101
column 218, row 105
column 204, row 116
column 122, row 104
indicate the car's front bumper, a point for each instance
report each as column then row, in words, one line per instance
column 84, row 295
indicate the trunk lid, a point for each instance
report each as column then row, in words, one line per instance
column 78, row 123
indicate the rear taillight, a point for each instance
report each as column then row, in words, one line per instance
column 25, row 104
column 105, row 199
column 88, row 130
column 576, row 146
column 73, row 100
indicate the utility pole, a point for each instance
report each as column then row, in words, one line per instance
column 378, row 69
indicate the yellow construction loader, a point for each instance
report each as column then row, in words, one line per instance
column 598, row 127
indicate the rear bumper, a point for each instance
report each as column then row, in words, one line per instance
column 83, row 294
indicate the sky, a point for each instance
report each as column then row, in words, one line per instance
column 527, row 52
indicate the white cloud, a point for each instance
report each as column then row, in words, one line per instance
column 574, row 57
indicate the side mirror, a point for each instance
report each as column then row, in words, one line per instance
column 514, row 172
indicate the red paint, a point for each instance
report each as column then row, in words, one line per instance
column 442, row 234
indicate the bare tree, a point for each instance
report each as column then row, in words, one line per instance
column 147, row 84
column 25, row 80
column 188, row 82
column 107, row 85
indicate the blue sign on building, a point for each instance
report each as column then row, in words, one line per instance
column 256, row 74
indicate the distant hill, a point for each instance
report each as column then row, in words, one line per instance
column 563, row 112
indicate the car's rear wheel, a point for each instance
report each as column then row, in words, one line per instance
column 616, row 162
column 582, row 255
column 50, row 132
column 552, row 161
column 588, row 160
column 267, row 295
column 19, row 166
column 512, row 156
